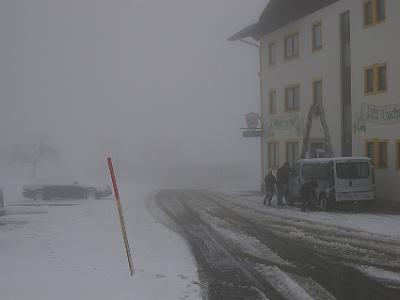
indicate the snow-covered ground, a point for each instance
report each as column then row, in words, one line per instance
column 381, row 224
column 75, row 251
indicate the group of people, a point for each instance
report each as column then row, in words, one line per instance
column 280, row 184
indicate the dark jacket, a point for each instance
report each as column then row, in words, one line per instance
column 307, row 190
column 283, row 174
column 270, row 182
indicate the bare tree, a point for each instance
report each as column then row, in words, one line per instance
column 34, row 152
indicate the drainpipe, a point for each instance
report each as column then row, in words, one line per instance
column 262, row 119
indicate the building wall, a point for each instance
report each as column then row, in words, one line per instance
column 375, row 44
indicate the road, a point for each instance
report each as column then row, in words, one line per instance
column 246, row 251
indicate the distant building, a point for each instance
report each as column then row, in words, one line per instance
column 330, row 85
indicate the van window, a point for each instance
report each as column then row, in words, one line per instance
column 321, row 171
column 352, row 170
column 307, row 171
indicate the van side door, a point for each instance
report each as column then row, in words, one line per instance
column 295, row 181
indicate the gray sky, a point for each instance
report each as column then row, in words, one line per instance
column 156, row 77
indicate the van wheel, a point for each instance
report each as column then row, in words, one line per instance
column 324, row 203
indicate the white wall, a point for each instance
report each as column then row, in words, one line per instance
column 378, row 44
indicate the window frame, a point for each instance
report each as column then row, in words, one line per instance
column 270, row 106
column 374, row 12
column 364, row 6
column 313, row 36
column 376, row 159
column 314, row 82
column 292, row 142
column 377, row 67
column 292, row 87
column 271, row 57
column 376, row 7
column 375, row 79
column 291, row 37
column 273, row 164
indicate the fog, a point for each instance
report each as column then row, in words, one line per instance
column 155, row 84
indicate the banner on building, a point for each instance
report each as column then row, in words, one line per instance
column 378, row 114
column 286, row 122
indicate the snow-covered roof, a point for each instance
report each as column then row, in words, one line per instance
column 280, row 13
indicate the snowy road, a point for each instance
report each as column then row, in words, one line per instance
column 247, row 251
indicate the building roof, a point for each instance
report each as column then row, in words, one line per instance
column 279, row 13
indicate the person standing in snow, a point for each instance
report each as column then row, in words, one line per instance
column 307, row 192
column 269, row 182
column 282, row 182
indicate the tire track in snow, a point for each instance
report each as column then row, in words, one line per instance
column 223, row 273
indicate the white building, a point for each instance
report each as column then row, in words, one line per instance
column 330, row 85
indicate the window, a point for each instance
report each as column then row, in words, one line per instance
column 272, row 53
column 292, row 152
column 368, row 13
column 352, row 170
column 375, row 79
column 320, row 171
column 292, row 98
column 369, row 80
column 370, row 151
column 381, row 73
column 317, row 36
column 398, row 154
column 292, row 46
column 272, row 102
column 383, row 154
column 377, row 150
column 374, row 12
column 317, row 91
column 273, row 159
column 380, row 13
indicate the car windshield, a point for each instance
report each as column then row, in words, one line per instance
column 352, row 170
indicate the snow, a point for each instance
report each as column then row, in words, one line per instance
column 75, row 251
column 388, row 278
column 285, row 285
column 245, row 243
column 379, row 224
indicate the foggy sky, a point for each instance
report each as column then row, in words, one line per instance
column 151, row 80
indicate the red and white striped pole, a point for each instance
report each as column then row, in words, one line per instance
column 121, row 217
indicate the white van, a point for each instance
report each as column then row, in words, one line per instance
column 340, row 180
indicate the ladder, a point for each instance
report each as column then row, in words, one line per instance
column 316, row 110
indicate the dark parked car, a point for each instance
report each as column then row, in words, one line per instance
column 65, row 190
column 2, row 208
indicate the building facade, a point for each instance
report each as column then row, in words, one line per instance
column 329, row 80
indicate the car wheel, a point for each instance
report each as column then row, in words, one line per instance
column 39, row 196
column 90, row 194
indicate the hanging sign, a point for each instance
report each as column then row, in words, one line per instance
column 253, row 121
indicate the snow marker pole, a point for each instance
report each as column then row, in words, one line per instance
column 121, row 217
